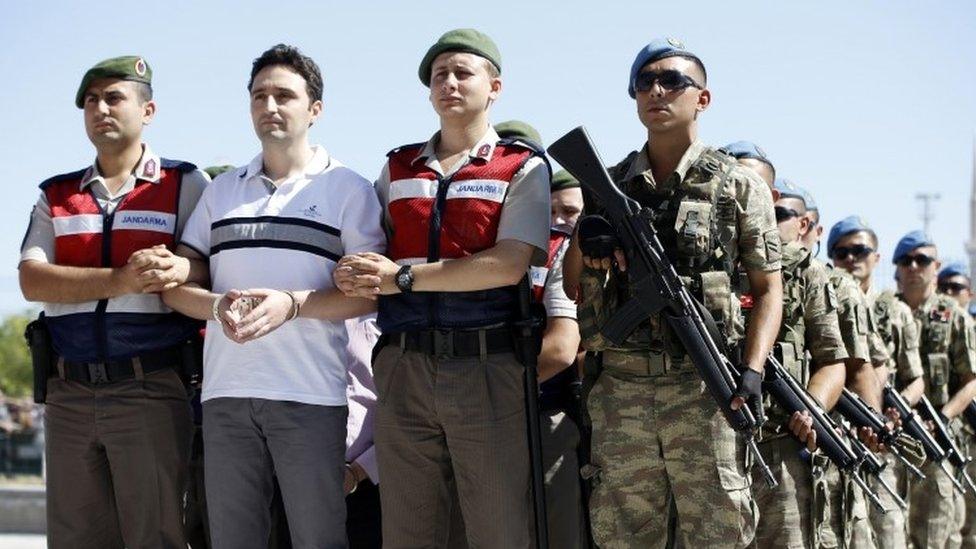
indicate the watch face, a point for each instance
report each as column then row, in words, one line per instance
column 403, row 280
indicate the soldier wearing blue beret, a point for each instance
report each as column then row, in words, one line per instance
column 751, row 156
column 954, row 281
column 647, row 406
column 937, row 511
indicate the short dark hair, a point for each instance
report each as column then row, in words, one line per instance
column 291, row 57
column 144, row 91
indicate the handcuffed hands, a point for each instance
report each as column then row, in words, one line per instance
column 246, row 315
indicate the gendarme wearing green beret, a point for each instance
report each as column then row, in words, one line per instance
column 562, row 180
column 127, row 67
column 516, row 129
column 460, row 40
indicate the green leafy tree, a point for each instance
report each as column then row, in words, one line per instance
column 16, row 376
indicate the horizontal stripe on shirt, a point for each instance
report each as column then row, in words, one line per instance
column 276, row 232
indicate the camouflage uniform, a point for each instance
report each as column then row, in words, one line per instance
column 789, row 514
column 969, row 523
column 947, row 352
column 899, row 333
column 849, row 525
column 658, row 436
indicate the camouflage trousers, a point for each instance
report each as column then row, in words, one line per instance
column 891, row 528
column 786, row 512
column 658, row 440
column 969, row 523
column 849, row 526
column 936, row 510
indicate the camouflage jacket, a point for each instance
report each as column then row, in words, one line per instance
column 899, row 333
column 946, row 346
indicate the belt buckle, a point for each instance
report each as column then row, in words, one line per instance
column 443, row 343
column 97, row 374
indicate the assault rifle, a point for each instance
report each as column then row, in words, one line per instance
column 656, row 287
column 944, row 437
column 915, row 428
column 861, row 414
column 830, row 439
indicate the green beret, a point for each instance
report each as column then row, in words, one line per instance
column 214, row 171
column 562, row 180
column 516, row 129
column 128, row 67
column 460, row 40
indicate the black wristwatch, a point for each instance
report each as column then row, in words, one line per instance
column 404, row 279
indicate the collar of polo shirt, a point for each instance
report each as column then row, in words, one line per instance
column 319, row 162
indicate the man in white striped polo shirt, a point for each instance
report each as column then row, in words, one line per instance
column 274, row 390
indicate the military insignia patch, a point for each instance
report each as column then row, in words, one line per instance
column 940, row 315
column 140, row 67
column 676, row 43
column 483, row 150
column 149, row 169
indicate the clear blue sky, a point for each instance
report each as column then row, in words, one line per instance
column 865, row 103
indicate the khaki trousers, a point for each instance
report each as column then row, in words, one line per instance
column 117, row 459
column 446, row 424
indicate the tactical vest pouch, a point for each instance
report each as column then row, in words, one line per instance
column 938, row 364
column 693, row 228
column 42, row 356
column 716, row 293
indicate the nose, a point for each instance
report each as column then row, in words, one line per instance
column 449, row 83
column 270, row 104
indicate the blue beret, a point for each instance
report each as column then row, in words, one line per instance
column 844, row 227
column 789, row 189
column 657, row 49
column 953, row 269
column 745, row 149
column 972, row 309
column 912, row 240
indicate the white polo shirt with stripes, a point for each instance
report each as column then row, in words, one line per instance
column 289, row 237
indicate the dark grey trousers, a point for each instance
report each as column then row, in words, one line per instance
column 247, row 440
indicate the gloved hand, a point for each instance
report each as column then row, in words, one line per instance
column 749, row 392
column 599, row 243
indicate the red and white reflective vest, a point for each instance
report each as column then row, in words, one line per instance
column 436, row 217
column 539, row 275
column 86, row 236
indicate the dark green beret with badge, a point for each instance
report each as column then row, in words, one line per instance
column 460, row 40
column 516, row 129
column 127, row 67
column 562, row 180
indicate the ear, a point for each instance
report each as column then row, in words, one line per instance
column 316, row 110
column 776, row 195
column 148, row 112
column 704, row 100
column 496, row 88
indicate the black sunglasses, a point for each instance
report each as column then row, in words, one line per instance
column 669, row 80
column 952, row 287
column 857, row 251
column 782, row 214
column 921, row 260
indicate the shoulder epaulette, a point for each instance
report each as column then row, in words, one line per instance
column 62, row 177
column 180, row 165
column 715, row 161
column 405, row 147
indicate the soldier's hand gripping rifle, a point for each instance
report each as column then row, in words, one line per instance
column 830, row 439
column 874, row 465
column 656, row 287
column 861, row 414
column 913, row 426
column 944, row 437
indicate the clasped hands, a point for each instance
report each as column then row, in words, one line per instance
column 151, row 270
column 366, row 274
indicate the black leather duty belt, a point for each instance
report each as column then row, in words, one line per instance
column 102, row 373
column 456, row 343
